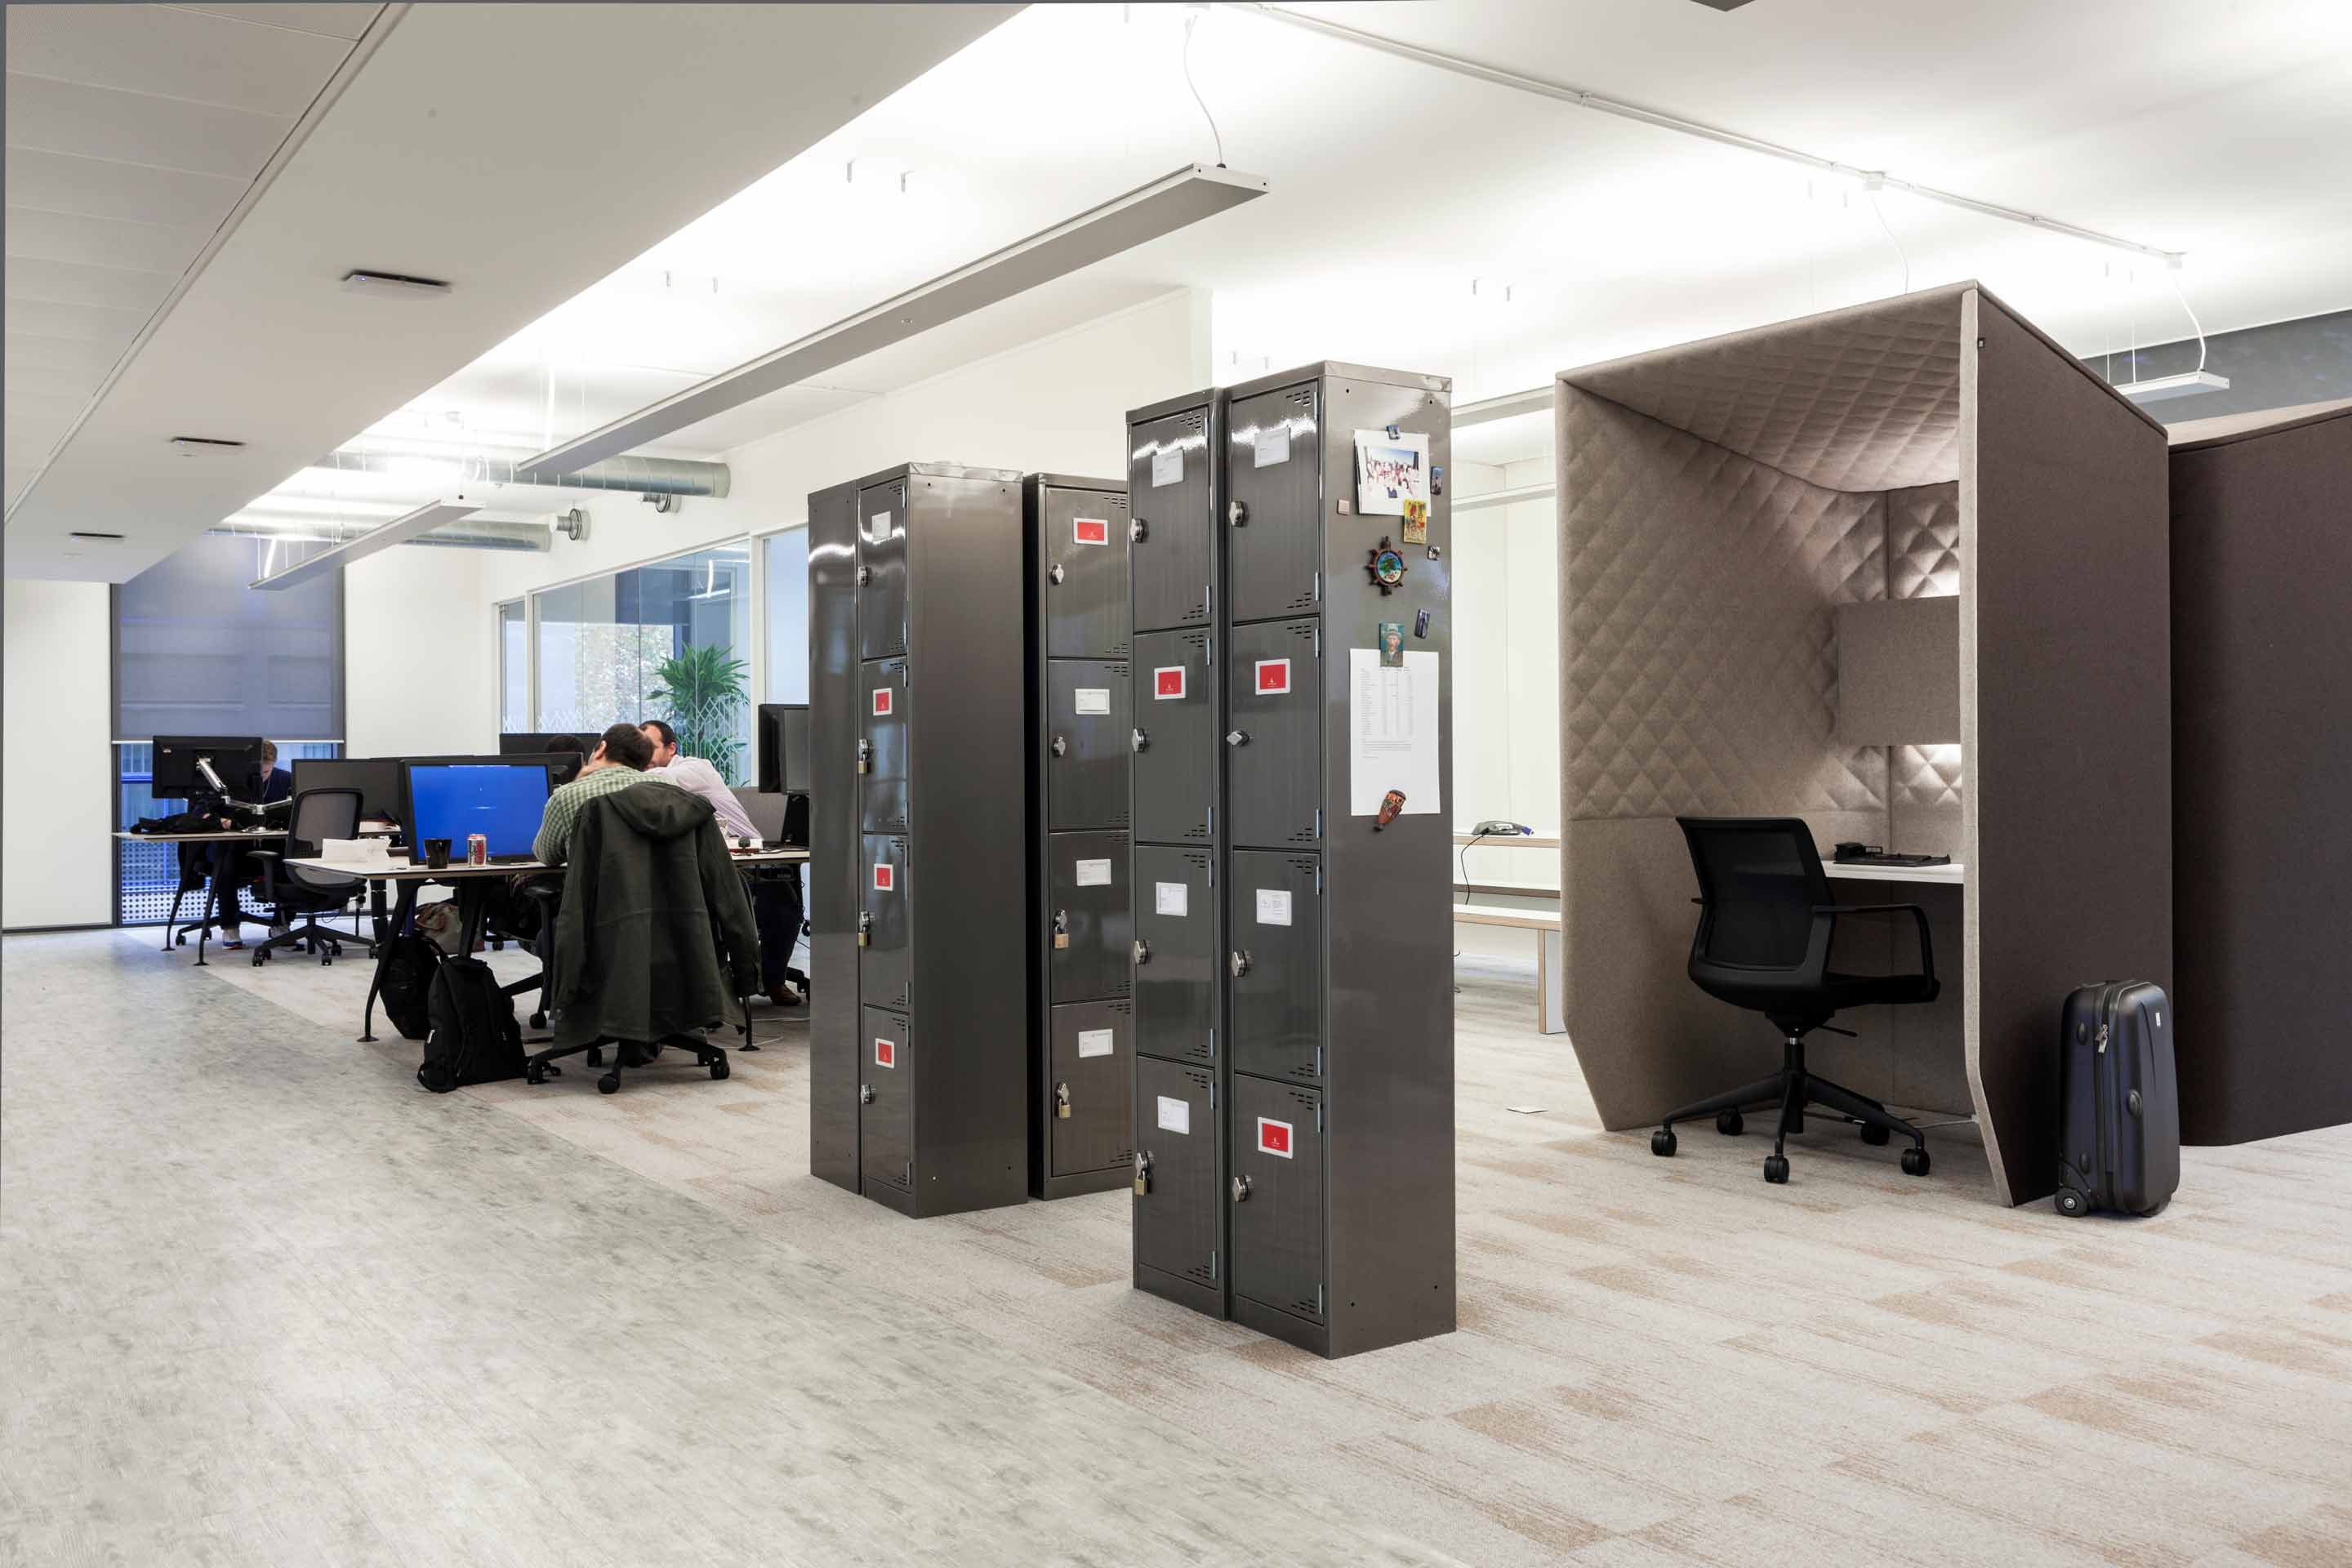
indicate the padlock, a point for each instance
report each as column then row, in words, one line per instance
column 1061, row 930
column 1136, row 531
column 865, row 756
column 1062, row 1101
column 1053, row 574
column 864, row 931
column 865, row 1094
column 1061, row 748
column 1142, row 1174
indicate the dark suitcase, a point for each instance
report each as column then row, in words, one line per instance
column 2119, row 1133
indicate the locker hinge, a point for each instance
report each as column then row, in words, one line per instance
column 1212, row 1044
column 1212, row 825
column 1319, row 1073
column 1209, row 651
column 1318, row 1104
column 1318, row 1300
column 1318, row 832
column 1318, row 644
column 1318, row 865
column 1209, row 596
column 1318, row 587
column 1212, row 1097
column 1212, row 1263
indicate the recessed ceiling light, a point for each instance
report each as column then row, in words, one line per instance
column 200, row 446
column 362, row 281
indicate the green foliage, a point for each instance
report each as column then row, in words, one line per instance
column 702, row 691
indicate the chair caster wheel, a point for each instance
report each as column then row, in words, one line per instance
column 1873, row 1134
column 536, row 1073
column 2072, row 1203
column 1776, row 1169
column 1730, row 1123
column 326, row 962
column 596, row 1057
column 719, row 1066
column 260, row 958
column 609, row 1084
column 1915, row 1161
column 1662, row 1143
column 538, row 1020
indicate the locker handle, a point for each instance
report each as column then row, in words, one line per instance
column 1240, row 963
column 864, row 575
column 1142, row 1173
column 865, row 929
column 1061, row 748
column 1140, row 741
column 1237, row 737
column 1142, row 951
column 1136, row 531
column 1241, row 1189
column 1053, row 574
column 1237, row 513
column 865, row 1094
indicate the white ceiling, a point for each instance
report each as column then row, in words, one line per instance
column 521, row 152
column 133, row 132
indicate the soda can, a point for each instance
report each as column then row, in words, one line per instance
column 478, row 850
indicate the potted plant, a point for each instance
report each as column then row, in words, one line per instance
column 703, row 689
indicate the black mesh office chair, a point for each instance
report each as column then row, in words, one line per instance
column 1766, row 925
column 318, row 815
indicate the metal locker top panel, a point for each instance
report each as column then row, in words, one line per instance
column 1340, row 370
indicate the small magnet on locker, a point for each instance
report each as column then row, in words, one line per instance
column 1436, row 480
column 1346, row 509
column 1393, row 432
column 1391, row 804
column 1421, row 623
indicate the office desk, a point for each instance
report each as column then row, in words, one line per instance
column 1917, row 1056
column 1952, row 875
column 473, row 887
column 212, row 888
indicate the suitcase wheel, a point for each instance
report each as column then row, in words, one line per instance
column 2072, row 1203
column 1915, row 1161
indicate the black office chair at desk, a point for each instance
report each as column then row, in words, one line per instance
column 1766, row 926
column 318, row 815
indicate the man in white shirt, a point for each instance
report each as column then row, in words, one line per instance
column 775, row 899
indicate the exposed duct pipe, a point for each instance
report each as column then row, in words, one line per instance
column 466, row 534
column 629, row 475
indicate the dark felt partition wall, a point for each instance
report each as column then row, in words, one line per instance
column 1718, row 502
column 2261, row 651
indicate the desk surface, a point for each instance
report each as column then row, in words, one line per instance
column 241, row 836
column 1496, row 915
column 406, row 871
column 1954, row 875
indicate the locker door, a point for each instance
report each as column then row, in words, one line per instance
column 1174, row 737
column 1274, row 745
column 1175, row 955
column 1086, row 900
column 1277, row 1196
column 1168, row 492
column 885, row 1125
column 1093, row 1066
column 1088, row 743
column 1274, row 934
column 1176, row 1137
column 1274, row 485
column 1085, row 591
column 882, row 571
column 882, row 738
column 885, row 963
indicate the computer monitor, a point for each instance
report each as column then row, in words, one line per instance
column 502, row 798
column 568, row 751
column 783, row 748
column 376, row 778
column 235, row 759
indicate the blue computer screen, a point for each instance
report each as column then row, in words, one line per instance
column 502, row 801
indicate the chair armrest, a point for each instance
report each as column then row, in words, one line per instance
column 1919, row 917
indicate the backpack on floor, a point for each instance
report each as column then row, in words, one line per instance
column 407, row 988
column 475, row 1038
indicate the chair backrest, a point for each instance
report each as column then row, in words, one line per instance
column 1759, row 882
column 319, row 814
column 766, row 812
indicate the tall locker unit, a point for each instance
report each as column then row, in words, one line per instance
column 918, row 1049
column 1326, row 1072
column 1082, row 1065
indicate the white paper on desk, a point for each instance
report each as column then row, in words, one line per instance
column 356, row 851
column 1392, row 732
column 1390, row 471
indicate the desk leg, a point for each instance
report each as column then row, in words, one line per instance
column 212, row 901
column 1551, row 1005
column 401, row 911
column 376, row 914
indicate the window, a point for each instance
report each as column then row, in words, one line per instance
column 672, row 640
column 514, row 669
column 787, row 606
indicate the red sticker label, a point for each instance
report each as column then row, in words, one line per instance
column 1273, row 1137
column 1272, row 677
column 885, row 877
column 1167, row 681
column 1090, row 530
column 886, row 1052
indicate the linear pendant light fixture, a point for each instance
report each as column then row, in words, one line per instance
column 1173, row 202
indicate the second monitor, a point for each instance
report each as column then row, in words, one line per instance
column 783, row 748
column 502, row 798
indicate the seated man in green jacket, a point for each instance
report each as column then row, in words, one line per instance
column 619, row 760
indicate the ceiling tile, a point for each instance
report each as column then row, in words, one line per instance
column 29, row 350
column 138, row 127
column 174, row 54
column 98, row 187
column 17, row 478
column 103, row 242
column 91, row 324
column 117, row 287
column 50, row 385
column 335, row 21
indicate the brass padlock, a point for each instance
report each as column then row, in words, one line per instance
column 865, row 756
column 864, row 931
column 1061, row 930
column 1142, row 1174
column 1062, row 1100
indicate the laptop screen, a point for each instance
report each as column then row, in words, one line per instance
column 501, row 800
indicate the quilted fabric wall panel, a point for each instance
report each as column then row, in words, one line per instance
column 1699, row 652
column 1923, row 541
column 1861, row 399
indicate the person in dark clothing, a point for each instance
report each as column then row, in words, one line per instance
column 235, row 872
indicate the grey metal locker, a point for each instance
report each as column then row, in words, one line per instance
column 1089, row 926
column 1275, row 734
column 1084, row 542
column 918, row 600
column 885, row 1112
column 1173, row 737
column 886, row 939
column 1178, row 1175
column 1273, row 489
column 1173, row 506
column 1279, row 1221
column 1176, row 956
column 882, row 746
column 1274, row 931
column 1080, row 1074
column 1092, row 1061
column 1088, row 743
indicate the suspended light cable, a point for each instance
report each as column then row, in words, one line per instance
column 1891, row 239
column 1191, row 17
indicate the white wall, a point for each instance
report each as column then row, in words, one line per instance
column 415, row 634
column 56, row 789
column 1505, row 654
